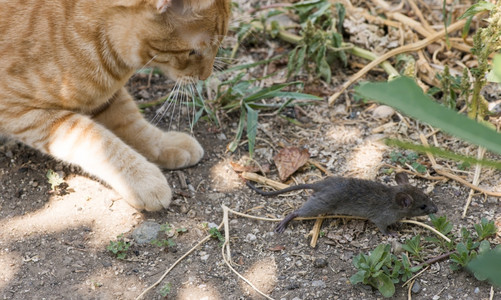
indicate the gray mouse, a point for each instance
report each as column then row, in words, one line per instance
column 381, row 204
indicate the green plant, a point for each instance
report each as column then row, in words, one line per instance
column 54, row 179
column 373, row 269
column 119, row 247
column 486, row 265
column 444, row 226
column 169, row 233
column 409, row 158
column 319, row 33
column 215, row 233
column 485, row 229
column 468, row 248
column 165, row 290
column 420, row 106
column 413, row 246
column 243, row 95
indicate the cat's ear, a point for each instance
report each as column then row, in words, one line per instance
column 163, row 5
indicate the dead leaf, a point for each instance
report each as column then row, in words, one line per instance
column 289, row 160
column 277, row 248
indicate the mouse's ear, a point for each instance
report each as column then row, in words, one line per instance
column 403, row 200
column 401, row 178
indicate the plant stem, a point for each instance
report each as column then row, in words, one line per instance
column 296, row 39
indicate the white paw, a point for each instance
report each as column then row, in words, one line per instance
column 179, row 150
column 147, row 188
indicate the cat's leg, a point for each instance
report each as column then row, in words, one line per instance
column 79, row 140
column 172, row 149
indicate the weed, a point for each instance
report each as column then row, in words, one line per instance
column 410, row 158
column 382, row 270
column 215, row 233
column 54, row 179
column 373, row 269
column 169, row 233
column 119, row 247
column 165, row 290
column 413, row 246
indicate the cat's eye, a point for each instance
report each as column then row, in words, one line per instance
column 192, row 52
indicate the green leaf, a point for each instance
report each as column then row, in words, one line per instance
column 405, row 95
column 240, row 129
column 495, row 74
column 377, row 254
column 268, row 92
column 251, row 128
column 488, row 266
column 476, row 8
column 358, row 277
column 385, row 285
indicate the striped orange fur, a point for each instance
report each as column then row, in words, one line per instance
column 63, row 65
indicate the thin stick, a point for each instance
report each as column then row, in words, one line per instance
column 476, row 179
column 263, row 180
column 427, row 227
column 226, row 245
column 442, row 172
column 315, row 232
column 413, row 277
column 175, row 263
column 407, row 48
column 227, row 232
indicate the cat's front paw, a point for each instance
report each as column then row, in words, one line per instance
column 147, row 189
column 179, row 150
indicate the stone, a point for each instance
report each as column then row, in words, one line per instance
column 146, row 232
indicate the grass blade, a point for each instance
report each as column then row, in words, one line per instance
column 406, row 96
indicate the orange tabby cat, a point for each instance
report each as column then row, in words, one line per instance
column 63, row 65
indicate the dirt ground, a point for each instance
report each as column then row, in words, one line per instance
column 53, row 244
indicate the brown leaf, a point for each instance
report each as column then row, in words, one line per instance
column 289, row 160
column 277, row 248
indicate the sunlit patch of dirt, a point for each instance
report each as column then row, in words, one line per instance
column 263, row 275
column 86, row 205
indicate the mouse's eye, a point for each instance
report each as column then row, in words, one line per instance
column 423, row 207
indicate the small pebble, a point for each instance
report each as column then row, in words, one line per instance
column 383, row 112
column 397, row 247
column 477, row 290
column 318, row 283
column 320, row 263
column 250, row 237
column 416, row 287
column 436, row 297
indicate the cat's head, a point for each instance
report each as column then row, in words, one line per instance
column 181, row 37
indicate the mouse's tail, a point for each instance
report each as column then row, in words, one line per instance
column 274, row 193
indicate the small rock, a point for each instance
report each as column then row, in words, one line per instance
column 383, row 112
column 477, row 290
column 416, row 287
column 205, row 257
column 299, row 263
column 221, row 137
column 212, row 225
column 250, row 237
column 292, row 286
column 146, row 232
column 319, row 284
column 320, row 263
column 397, row 247
column 436, row 297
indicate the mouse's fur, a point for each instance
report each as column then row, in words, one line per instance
column 381, row 204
